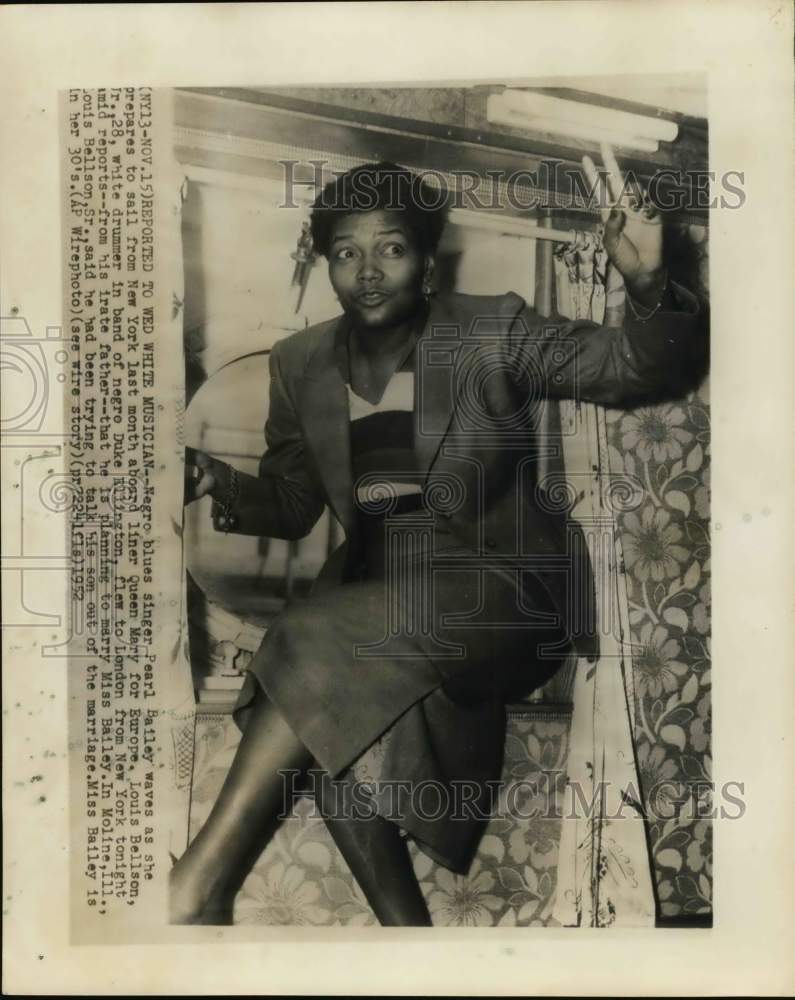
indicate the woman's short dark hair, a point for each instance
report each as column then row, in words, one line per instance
column 381, row 186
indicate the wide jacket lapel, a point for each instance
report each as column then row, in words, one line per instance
column 323, row 405
column 323, row 410
column 435, row 381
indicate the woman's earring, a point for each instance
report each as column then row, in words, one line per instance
column 426, row 289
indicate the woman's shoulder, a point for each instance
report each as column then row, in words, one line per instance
column 298, row 348
column 308, row 337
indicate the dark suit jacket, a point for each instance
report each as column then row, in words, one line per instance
column 483, row 364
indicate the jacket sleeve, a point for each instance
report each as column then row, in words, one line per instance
column 641, row 360
column 284, row 500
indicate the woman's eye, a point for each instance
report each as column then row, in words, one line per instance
column 394, row 250
column 344, row 253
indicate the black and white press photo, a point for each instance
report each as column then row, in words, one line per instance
column 449, row 426
column 394, row 432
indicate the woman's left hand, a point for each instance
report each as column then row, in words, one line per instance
column 633, row 232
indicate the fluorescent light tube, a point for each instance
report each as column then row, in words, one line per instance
column 500, row 116
column 528, row 110
column 544, row 106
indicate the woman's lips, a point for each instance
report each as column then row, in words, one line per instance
column 371, row 298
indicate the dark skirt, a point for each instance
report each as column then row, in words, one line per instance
column 427, row 648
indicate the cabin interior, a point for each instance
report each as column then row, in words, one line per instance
column 250, row 159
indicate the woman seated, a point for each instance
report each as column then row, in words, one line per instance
column 411, row 416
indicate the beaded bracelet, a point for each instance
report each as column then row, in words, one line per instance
column 646, row 316
column 224, row 516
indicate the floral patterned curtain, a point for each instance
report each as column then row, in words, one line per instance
column 666, row 545
column 604, row 875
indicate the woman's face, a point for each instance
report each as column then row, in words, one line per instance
column 376, row 268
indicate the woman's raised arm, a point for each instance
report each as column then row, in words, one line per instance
column 661, row 348
column 649, row 359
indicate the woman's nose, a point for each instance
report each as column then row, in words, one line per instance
column 369, row 270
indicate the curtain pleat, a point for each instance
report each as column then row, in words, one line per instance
column 604, row 875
